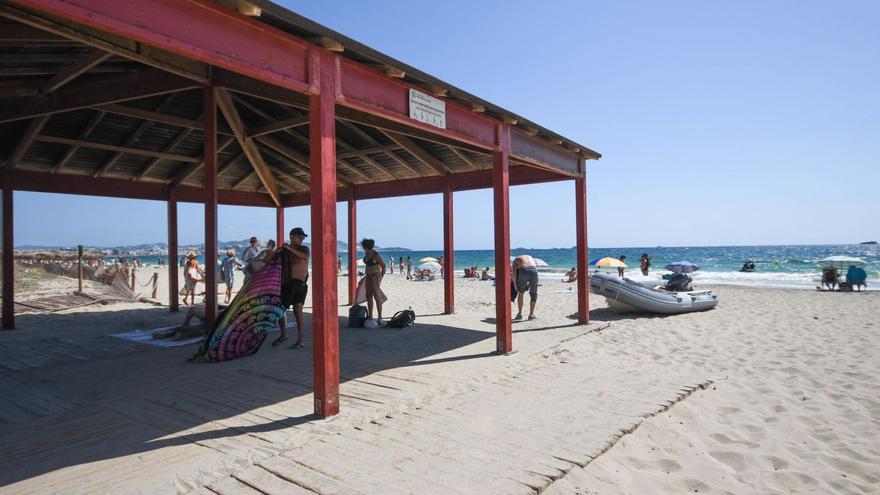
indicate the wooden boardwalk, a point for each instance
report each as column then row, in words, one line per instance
column 425, row 410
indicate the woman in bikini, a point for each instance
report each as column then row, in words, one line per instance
column 373, row 279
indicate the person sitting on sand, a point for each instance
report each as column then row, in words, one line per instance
column 228, row 266
column 485, row 275
column 468, row 273
column 524, row 275
column 571, row 275
column 829, row 278
column 856, row 277
column 187, row 330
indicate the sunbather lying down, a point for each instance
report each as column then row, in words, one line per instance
column 188, row 330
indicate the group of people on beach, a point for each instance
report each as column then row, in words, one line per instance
column 856, row 277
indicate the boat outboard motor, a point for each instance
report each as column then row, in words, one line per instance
column 679, row 282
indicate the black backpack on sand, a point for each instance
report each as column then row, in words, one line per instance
column 402, row 319
column 357, row 315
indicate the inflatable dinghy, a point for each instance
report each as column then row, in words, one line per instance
column 626, row 295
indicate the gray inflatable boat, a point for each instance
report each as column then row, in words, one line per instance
column 626, row 295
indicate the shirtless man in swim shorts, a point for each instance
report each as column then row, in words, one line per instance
column 525, row 278
column 294, row 275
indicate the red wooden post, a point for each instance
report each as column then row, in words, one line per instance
column 352, row 246
column 173, row 269
column 583, row 280
column 448, row 257
column 325, row 313
column 210, row 143
column 501, row 195
column 8, row 256
column 279, row 225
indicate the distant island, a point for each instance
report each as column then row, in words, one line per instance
column 869, row 242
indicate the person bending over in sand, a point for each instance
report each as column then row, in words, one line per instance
column 294, row 276
column 524, row 274
column 374, row 272
column 571, row 275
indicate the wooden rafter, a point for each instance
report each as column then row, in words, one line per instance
column 141, row 128
column 470, row 163
column 358, row 153
column 168, row 149
column 192, row 168
column 83, row 135
column 105, row 91
column 228, row 164
column 420, row 153
column 248, row 176
column 112, row 147
column 251, row 151
column 279, row 125
column 31, row 133
column 153, row 116
column 345, row 166
column 115, row 44
column 77, row 68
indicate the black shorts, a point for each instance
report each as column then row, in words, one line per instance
column 293, row 292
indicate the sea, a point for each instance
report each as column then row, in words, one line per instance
column 775, row 266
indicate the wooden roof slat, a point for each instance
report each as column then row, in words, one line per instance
column 193, row 167
column 420, row 153
column 33, row 130
column 251, row 151
column 132, row 138
column 244, row 179
column 83, row 135
column 77, row 68
column 228, row 164
column 168, row 149
column 111, row 147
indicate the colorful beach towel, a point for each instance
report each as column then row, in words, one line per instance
column 242, row 328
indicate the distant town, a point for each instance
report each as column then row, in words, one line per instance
column 161, row 249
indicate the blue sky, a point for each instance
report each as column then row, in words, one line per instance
column 720, row 123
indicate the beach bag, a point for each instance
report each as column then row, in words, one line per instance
column 402, row 319
column 357, row 315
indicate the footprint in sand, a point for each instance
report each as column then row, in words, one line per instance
column 777, row 462
column 668, row 466
column 733, row 460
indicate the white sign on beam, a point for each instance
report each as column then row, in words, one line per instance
column 427, row 109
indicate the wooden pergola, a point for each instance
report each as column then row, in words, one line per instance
column 121, row 99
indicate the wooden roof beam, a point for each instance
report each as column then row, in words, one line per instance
column 110, row 90
column 80, row 66
column 470, row 163
column 153, row 116
column 251, row 151
column 168, row 149
column 279, row 126
column 33, row 130
column 192, row 168
column 115, row 44
column 83, row 135
column 112, row 147
column 248, row 176
column 420, row 153
column 132, row 138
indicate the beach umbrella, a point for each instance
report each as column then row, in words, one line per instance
column 841, row 262
column 428, row 259
column 682, row 267
column 608, row 262
column 430, row 265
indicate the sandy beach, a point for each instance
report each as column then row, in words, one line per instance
column 774, row 391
